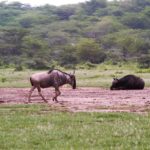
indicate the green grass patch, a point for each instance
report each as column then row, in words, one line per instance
column 40, row 127
column 95, row 76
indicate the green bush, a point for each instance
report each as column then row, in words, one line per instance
column 37, row 64
column 3, row 79
column 18, row 68
column 144, row 61
column 89, row 50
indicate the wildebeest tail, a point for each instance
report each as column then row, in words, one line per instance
column 74, row 84
column 31, row 81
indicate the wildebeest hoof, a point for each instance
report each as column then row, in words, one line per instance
column 45, row 100
column 1, row 101
column 56, row 100
column 28, row 102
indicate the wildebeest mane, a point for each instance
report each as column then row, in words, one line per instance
column 70, row 75
column 50, row 71
column 58, row 70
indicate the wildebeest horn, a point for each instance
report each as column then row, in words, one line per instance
column 74, row 71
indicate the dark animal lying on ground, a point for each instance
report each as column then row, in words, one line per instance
column 128, row 82
column 53, row 78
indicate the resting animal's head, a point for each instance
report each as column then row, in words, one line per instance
column 114, row 84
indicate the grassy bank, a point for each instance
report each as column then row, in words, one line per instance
column 39, row 127
column 89, row 76
column 29, row 127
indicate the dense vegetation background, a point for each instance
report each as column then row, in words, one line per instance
column 96, row 31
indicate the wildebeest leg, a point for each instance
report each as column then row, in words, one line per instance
column 39, row 91
column 30, row 93
column 57, row 93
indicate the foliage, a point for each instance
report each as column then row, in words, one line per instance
column 64, row 12
column 37, row 63
column 89, row 50
column 136, row 21
column 68, row 56
column 91, row 6
column 36, row 37
column 145, row 61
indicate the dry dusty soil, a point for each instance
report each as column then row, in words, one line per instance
column 83, row 99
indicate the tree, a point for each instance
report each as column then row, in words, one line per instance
column 134, row 21
column 91, row 6
column 68, row 56
column 89, row 50
column 11, row 41
column 144, row 61
column 64, row 12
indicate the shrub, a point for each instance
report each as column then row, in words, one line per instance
column 3, row 79
column 18, row 68
column 89, row 50
column 37, row 64
column 144, row 61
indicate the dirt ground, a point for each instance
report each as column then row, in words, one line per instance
column 83, row 99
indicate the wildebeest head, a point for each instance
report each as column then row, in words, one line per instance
column 114, row 83
column 73, row 81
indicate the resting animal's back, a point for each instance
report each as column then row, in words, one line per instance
column 128, row 82
column 133, row 82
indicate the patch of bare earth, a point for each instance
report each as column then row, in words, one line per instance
column 83, row 99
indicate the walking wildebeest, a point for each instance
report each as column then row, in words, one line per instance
column 128, row 82
column 53, row 78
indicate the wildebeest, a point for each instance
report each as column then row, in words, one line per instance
column 128, row 82
column 53, row 78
